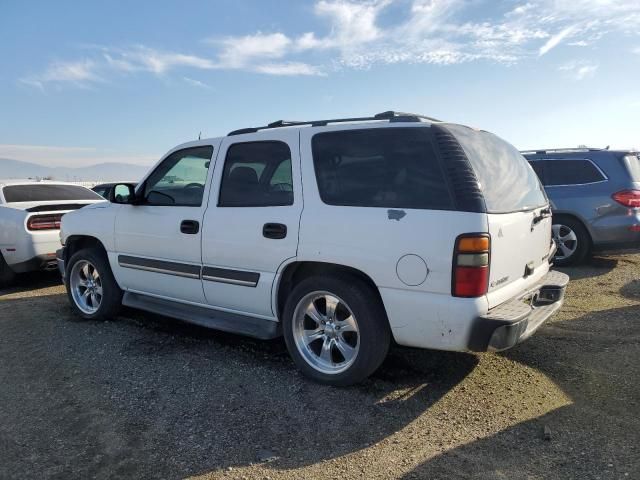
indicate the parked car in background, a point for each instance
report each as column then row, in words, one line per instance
column 30, row 215
column 409, row 231
column 104, row 189
column 595, row 198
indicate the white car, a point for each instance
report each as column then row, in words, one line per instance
column 30, row 214
column 340, row 235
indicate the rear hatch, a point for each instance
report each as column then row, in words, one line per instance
column 517, row 210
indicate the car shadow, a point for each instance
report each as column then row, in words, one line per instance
column 25, row 282
column 594, row 360
column 592, row 267
column 146, row 396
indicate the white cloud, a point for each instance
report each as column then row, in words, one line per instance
column 288, row 68
column 196, row 83
column 555, row 40
column 579, row 69
column 80, row 73
column 360, row 34
column 238, row 52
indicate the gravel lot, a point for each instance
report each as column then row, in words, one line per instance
column 149, row 397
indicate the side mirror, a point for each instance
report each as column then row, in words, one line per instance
column 123, row 193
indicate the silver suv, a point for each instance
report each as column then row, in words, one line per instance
column 595, row 198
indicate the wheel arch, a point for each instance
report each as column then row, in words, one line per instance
column 578, row 219
column 75, row 243
column 296, row 271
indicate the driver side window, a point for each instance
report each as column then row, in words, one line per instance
column 257, row 174
column 180, row 179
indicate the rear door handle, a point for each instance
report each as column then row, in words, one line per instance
column 190, row 227
column 277, row 231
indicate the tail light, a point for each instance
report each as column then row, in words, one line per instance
column 44, row 222
column 628, row 198
column 471, row 265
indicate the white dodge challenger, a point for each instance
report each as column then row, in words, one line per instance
column 30, row 214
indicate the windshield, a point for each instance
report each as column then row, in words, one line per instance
column 45, row 193
column 507, row 181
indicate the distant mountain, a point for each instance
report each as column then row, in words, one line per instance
column 103, row 172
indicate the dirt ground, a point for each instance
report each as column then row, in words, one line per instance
column 149, row 397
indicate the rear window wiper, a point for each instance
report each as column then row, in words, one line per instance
column 544, row 213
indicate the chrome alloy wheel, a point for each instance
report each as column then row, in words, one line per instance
column 86, row 287
column 566, row 240
column 326, row 332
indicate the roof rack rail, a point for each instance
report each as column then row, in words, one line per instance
column 560, row 150
column 390, row 115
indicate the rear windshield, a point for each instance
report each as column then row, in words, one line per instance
column 44, row 193
column 633, row 165
column 380, row 167
column 507, row 181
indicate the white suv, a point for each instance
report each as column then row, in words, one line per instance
column 339, row 234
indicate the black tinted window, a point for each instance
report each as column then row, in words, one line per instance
column 382, row 167
column 507, row 182
column 257, row 174
column 568, row 172
column 44, row 193
column 180, row 179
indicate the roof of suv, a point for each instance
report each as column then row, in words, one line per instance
column 562, row 152
column 390, row 116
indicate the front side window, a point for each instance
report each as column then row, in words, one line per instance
column 257, row 174
column 381, row 167
column 180, row 179
column 47, row 192
column 568, row 172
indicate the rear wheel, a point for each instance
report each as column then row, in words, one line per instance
column 572, row 240
column 7, row 276
column 336, row 329
column 91, row 287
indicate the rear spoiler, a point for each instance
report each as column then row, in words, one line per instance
column 54, row 208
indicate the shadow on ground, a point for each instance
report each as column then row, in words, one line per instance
column 26, row 282
column 149, row 397
column 594, row 360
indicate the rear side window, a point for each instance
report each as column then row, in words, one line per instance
column 45, row 193
column 567, row 172
column 633, row 166
column 382, row 167
column 507, row 181
column 257, row 174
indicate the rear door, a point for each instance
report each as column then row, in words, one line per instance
column 519, row 222
column 251, row 225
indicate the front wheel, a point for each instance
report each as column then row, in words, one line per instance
column 336, row 329
column 91, row 287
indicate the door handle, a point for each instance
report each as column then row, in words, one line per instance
column 277, row 231
column 190, row 227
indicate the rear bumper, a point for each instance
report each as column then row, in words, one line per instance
column 39, row 262
column 516, row 320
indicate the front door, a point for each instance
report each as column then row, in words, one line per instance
column 158, row 242
column 251, row 226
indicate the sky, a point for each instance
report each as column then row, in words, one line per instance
column 90, row 82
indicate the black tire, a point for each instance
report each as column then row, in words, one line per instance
column 112, row 294
column 583, row 241
column 7, row 276
column 373, row 327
